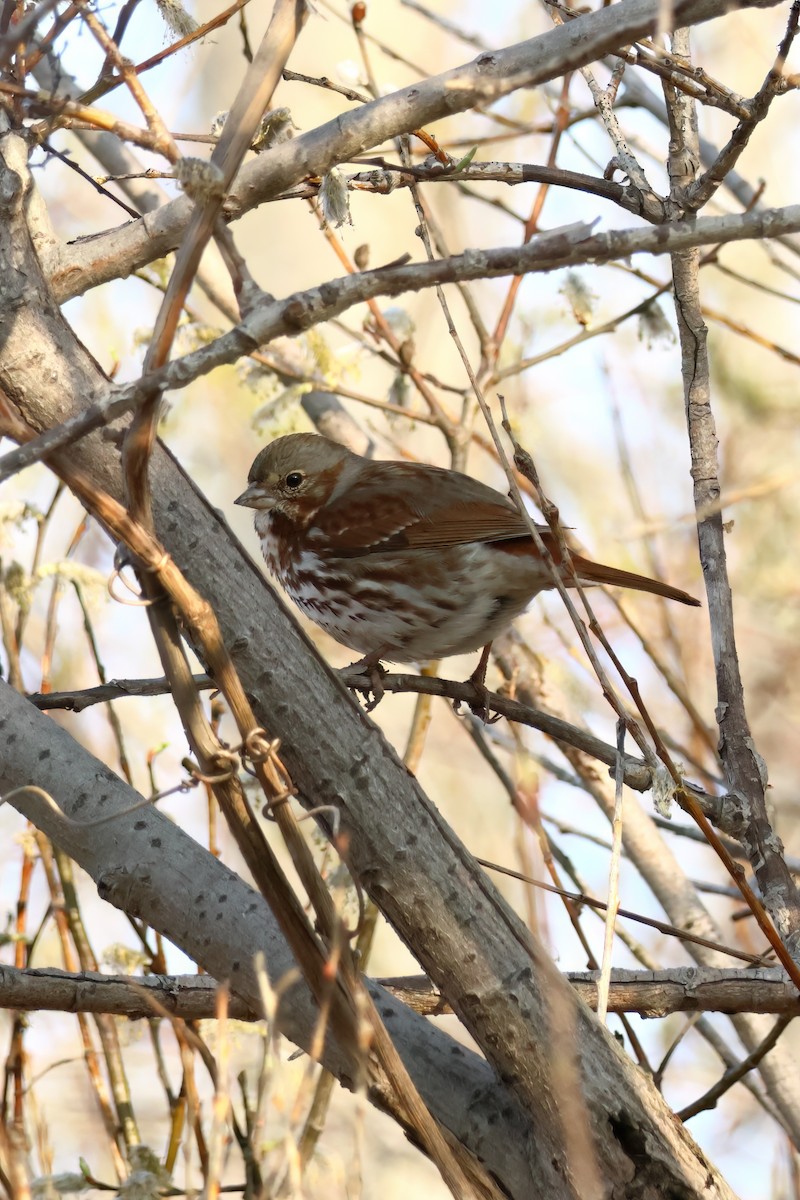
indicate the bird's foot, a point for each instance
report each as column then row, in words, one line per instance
column 372, row 666
column 480, row 705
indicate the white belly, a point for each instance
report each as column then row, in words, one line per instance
column 455, row 604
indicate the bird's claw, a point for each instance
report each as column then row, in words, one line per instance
column 479, row 705
column 377, row 673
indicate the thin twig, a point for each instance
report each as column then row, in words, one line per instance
column 710, row 1098
column 744, row 767
column 612, row 906
column 115, row 689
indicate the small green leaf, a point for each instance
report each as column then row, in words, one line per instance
column 466, row 160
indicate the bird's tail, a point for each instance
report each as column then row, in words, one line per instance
column 592, row 572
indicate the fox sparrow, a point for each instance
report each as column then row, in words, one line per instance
column 398, row 560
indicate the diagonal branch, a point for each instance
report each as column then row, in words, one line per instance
column 146, row 865
column 701, row 190
column 253, row 97
column 745, row 769
column 486, row 79
column 566, row 247
column 709, row 1100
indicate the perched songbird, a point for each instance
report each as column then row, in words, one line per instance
column 401, row 561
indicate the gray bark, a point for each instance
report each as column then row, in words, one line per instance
column 146, row 865
column 489, row 77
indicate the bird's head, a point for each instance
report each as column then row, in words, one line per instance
column 296, row 475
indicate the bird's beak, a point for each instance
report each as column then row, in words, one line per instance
column 256, row 496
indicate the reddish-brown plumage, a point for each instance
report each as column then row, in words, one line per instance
column 398, row 560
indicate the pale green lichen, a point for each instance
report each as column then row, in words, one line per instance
column 654, row 327
column 199, row 178
column 334, row 199
column 48, row 1187
column 176, row 18
column 276, row 126
column 580, row 298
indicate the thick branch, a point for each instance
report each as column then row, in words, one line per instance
column 194, row 997
column 567, row 247
column 651, row 993
column 486, row 79
column 146, row 865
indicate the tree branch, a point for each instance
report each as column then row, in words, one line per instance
column 144, row 864
column 115, row 689
column 650, row 993
column 745, row 769
column 721, row 810
column 194, row 997
column 567, row 247
column 484, row 80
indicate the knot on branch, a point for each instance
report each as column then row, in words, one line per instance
column 11, row 190
column 200, row 179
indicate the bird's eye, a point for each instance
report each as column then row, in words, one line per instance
column 294, row 479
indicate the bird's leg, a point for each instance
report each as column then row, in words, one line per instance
column 480, row 705
column 478, row 676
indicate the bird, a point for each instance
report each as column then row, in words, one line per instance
column 400, row 561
